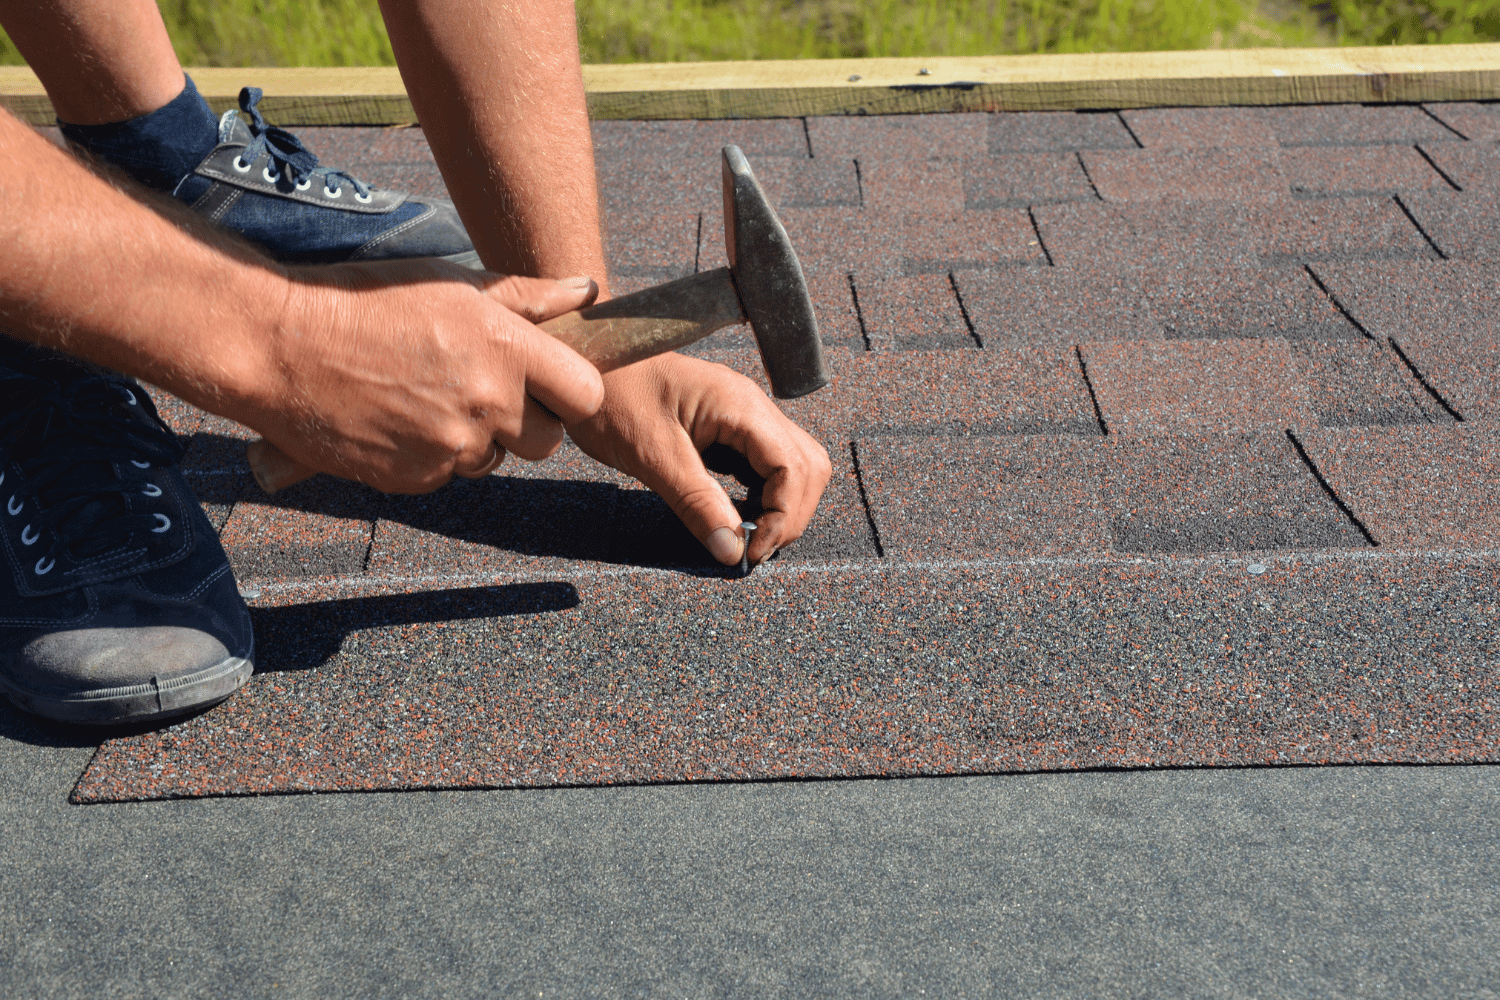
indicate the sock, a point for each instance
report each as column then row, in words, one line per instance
column 157, row 149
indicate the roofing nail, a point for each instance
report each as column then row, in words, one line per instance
column 924, row 71
column 748, row 527
column 854, row 77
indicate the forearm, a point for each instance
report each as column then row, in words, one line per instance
column 91, row 271
column 498, row 89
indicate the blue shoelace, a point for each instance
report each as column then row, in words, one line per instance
column 67, row 437
column 294, row 162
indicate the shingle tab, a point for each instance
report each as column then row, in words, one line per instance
column 1182, row 175
column 968, row 241
column 1346, row 170
column 1360, row 383
column 906, row 186
column 944, row 498
column 659, row 247
column 758, row 137
column 1057, row 131
column 1475, row 120
column 1177, row 128
column 1464, row 226
column 997, row 391
column 1045, row 307
column 1469, row 165
column 319, row 527
column 912, row 313
column 1216, row 493
column 898, row 137
column 1022, row 179
column 1417, row 487
column 1240, row 301
column 1201, row 386
column 1353, row 125
column 1216, row 234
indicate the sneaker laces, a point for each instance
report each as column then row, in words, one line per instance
column 67, row 434
column 293, row 161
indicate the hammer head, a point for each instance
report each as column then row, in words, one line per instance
column 769, row 279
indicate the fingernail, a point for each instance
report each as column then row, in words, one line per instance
column 579, row 284
column 725, row 546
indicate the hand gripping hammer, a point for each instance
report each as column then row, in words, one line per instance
column 763, row 285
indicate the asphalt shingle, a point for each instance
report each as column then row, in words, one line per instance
column 1189, row 475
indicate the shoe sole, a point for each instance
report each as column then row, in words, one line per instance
column 137, row 702
column 469, row 259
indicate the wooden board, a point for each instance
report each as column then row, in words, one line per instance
column 773, row 89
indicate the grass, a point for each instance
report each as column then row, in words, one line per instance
column 350, row 32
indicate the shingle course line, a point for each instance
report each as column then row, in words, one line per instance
column 1401, row 204
column 1433, row 163
column 1422, row 381
column 1328, row 488
column 1083, row 368
column 864, row 499
column 1428, row 112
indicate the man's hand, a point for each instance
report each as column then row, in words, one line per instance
column 660, row 414
column 404, row 374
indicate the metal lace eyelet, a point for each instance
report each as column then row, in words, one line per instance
column 330, row 193
column 270, row 177
column 140, row 465
column 152, row 490
column 240, row 165
column 41, row 570
column 2, row 477
column 364, row 199
column 34, row 536
column 164, row 521
column 14, row 508
column 130, row 394
column 304, row 184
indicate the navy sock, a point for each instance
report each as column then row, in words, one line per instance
column 159, row 148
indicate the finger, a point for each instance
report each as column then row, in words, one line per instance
column 796, row 469
column 540, row 299
column 561, row 379
column 491, row 463
column 696, row 497
column 540, row 433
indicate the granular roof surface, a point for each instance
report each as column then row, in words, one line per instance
column 1160, row 438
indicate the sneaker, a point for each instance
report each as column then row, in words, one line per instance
column 117, row 603
column 260, row 181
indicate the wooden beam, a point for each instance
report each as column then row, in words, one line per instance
column 774, row 89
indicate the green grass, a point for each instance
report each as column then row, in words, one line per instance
column 350, row 32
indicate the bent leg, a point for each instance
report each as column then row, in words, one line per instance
column 100, row 60
column 498, row 88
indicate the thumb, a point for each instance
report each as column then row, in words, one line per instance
column 540, row 299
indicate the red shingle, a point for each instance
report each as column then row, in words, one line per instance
column 1417, row 487
column 1169, row 128
column 1347, row 170
column 1239, row 174
column 1203, row 386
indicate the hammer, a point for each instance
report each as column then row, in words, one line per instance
column 763, row 285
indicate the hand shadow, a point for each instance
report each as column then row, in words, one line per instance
column 559, row 518
column 305, row 636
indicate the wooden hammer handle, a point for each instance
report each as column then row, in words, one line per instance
column 610, row 334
